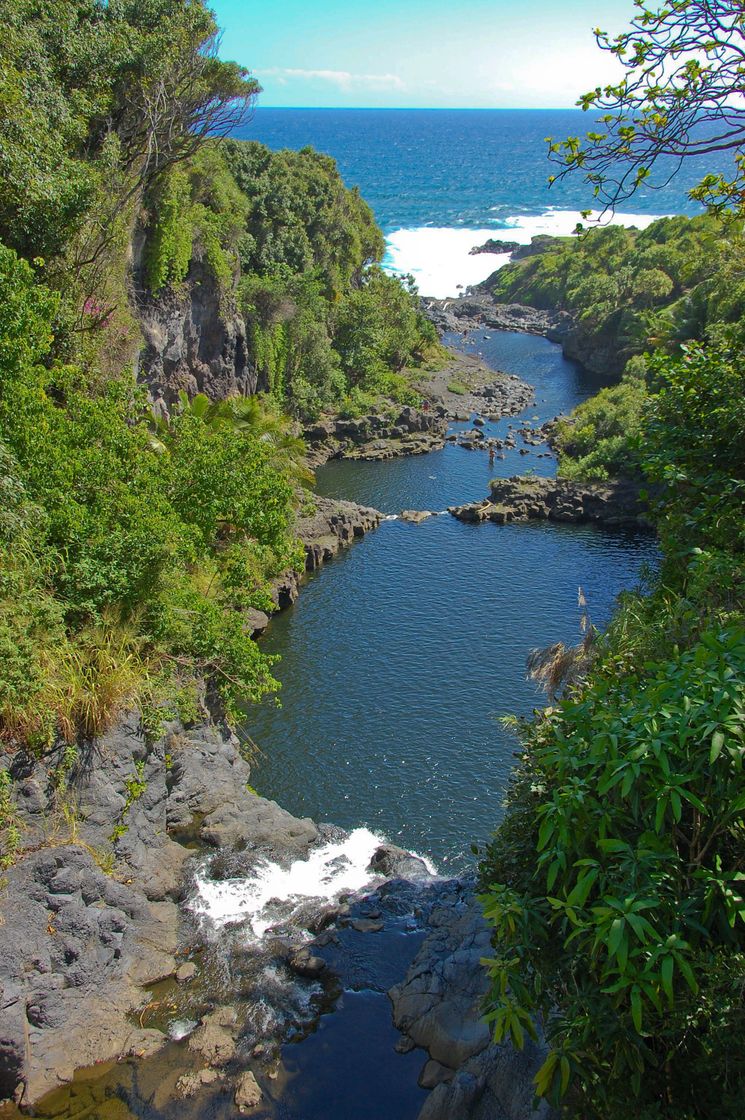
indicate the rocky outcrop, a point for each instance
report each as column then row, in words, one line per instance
column 477, row 309
column 411, row 431
column 332, row 526
column 90, row 910
column 194, row 340
column 493, row 245
column 614, row 504
column 439, row 1006
column 327, row 527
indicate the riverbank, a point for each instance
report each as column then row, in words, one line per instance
column 145, row 957
column 117, row 959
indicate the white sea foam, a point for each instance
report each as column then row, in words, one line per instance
column 438, row 258
column 272, row 892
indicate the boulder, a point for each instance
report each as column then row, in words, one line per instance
column 247, row 1093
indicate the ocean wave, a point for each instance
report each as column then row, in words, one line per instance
column 438, row 257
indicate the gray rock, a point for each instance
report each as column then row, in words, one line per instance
column 366, row 925
column 306, row 964
column 195, row 339
column 213, row 1039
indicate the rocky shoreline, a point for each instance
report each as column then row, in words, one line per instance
column 377, row 436
column 616, row 504
column 478, row 310
column 100, row 959
column 101, row 955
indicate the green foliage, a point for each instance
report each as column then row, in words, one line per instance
column 97, row 100
column 124, row 556
column 601, row 438
column 680, row 63
column 10, row 829
column 322, row 317
column 458, row 388
column 379, row 327
column 695, row 438
column 616, row 883
column 636, row 895
column 195, row 207
column 302, row 219
column 632, row 290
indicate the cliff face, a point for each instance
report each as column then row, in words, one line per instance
column 194, row 340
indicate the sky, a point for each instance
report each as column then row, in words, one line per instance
column 422, row 53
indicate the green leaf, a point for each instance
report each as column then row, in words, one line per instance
column 717, row 742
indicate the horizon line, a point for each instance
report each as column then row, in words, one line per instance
column 434, row 108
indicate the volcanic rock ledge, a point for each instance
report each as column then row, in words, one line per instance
column 411, row 432
column 325, row 530
column 615, row 504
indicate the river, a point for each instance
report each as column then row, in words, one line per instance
column 400, row 657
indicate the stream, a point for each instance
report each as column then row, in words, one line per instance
column 397, row 661
column 400, row 656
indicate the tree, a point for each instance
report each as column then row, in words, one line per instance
column 681, row 96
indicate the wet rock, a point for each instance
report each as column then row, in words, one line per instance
column 395, row 863
column 438, row 1007
column 434, row 1073
column 190, row 1083
column 304, row 963
column 367, row 925
column 415, row 515
column 71, row 968
column 186, row 972
column 247, row 1093
column 213, row 1039
column 615, row 504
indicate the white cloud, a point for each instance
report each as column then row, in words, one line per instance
column 344, row 79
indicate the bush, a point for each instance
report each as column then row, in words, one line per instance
column 630, row 924
column 124, row 556
column 615, row 884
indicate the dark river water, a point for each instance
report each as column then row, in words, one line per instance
column 397, row 662
column 400, row 656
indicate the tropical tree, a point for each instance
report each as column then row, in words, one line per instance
column 681, row 96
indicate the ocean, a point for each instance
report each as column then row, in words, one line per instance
column 441, row 181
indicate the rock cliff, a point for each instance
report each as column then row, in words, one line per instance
column 194, row 339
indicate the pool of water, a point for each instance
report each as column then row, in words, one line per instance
column 400, row 656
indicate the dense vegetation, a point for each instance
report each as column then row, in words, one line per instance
column 131, row 546
column 630, row 289
column 680, row 281
column 326, row 327
column 616, row 882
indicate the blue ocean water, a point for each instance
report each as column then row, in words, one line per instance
column 455, row 167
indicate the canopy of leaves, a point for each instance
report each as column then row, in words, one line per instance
column 106, row 527
column 616, row 884
column 97, row 99
column 681, row 95
column 631, row 290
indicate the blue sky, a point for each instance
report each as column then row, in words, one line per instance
column 422, row 53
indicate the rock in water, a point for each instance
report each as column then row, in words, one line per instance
column 247, row 1093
